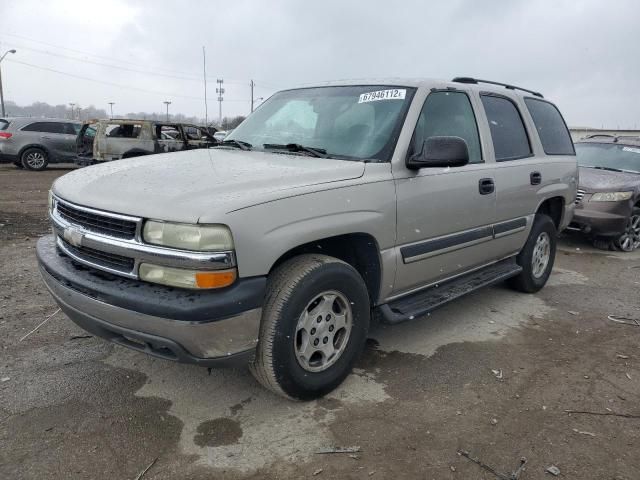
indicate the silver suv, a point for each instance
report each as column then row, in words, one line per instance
column 329, row 206
column 34, row 143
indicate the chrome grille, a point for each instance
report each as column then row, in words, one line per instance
column 94, row 222
column 97, row 257
column 579, row 196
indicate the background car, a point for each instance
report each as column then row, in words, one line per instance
column 608, row 198
column 34, row 143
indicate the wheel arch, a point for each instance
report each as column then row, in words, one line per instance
column 39, row 147
column 360, row 250
column 554, row 208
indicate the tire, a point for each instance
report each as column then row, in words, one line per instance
column 282, row 363
column 534, row 273
column 18, row 164
column 35, row 159
column 629, row 241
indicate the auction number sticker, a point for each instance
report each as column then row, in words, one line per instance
column 391, row 94
column 625, row 149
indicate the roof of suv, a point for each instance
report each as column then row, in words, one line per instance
column 457, row 83
column 21, row 121
column 606, row 138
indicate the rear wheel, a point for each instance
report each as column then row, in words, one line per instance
column 537, row 256
column 630, row 239
column 314, row 325
column 34, row 159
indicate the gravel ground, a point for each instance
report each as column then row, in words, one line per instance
column 73, row 406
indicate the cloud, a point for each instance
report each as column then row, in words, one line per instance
column 578, row 54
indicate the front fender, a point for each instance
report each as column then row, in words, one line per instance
column 263, row 233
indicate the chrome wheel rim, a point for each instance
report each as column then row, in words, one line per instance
column 323, row 331
column 541, row 254
column 35, row 160
column 630, row 239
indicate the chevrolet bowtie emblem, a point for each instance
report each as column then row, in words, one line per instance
column 73, row 237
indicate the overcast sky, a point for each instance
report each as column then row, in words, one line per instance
column 584, row 55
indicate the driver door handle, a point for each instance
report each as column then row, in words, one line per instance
column 486, row 186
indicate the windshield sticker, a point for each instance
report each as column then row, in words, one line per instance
column 625, row 149
column 392, row 94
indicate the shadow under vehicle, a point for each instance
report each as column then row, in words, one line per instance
column 115, row 139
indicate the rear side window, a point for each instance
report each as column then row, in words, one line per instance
column 448, row 114
column 509, row 136
column 45, row 127
column 552, row 130
column 127, row 130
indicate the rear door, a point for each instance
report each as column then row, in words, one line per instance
column 52, row 136
column 444, row 214
column 516, row 166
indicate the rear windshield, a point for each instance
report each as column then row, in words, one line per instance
column 610, row 156
column 3, row 124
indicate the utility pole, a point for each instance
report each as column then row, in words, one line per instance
column 252, row 84
column 220, row 92
column 111, row 104
column 72, row 113
column 167, row 103
column 1, row 92
column 204, row 77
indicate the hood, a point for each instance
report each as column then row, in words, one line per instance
column 594, row 180
column 184, row 186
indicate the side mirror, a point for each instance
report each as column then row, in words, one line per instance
column 440, row 152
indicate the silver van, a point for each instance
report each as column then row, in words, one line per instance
column 34, row 143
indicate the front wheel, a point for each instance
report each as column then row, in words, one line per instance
column 537, row 256
column 314, row 325
column 630, row 239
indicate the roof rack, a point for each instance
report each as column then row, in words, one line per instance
column 505, row 85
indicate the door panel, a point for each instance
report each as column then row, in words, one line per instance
column 444, row 224
column 445, row 215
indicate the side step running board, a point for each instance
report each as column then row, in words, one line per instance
column 421, row 303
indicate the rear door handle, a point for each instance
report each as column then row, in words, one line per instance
column 536, row 178
column 44, row 137
column 486, row 186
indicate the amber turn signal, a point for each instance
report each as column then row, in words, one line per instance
column 215, row 279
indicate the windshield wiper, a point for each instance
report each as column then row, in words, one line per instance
column 235, row 143
column 611, row 169
column 296, row 147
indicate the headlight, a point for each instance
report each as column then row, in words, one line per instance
column 207, row 238
column 51, row 201
column 183, row 278
column 611, row 196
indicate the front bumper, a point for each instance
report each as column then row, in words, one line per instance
column 607, row 219
column 209, row 328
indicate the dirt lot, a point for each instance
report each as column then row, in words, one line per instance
column 73, row 406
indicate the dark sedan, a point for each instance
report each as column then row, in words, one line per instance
column 608, row 199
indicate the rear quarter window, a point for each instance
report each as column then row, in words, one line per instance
column 553, row 132
column 4, row 124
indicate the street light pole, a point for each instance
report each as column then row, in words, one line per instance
column 111, row 104
column 1, row 92
column 72, row 114
column 167, row 103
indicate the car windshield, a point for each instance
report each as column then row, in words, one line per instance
column 3, row 124
column 609, row 156
column 350, row 122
